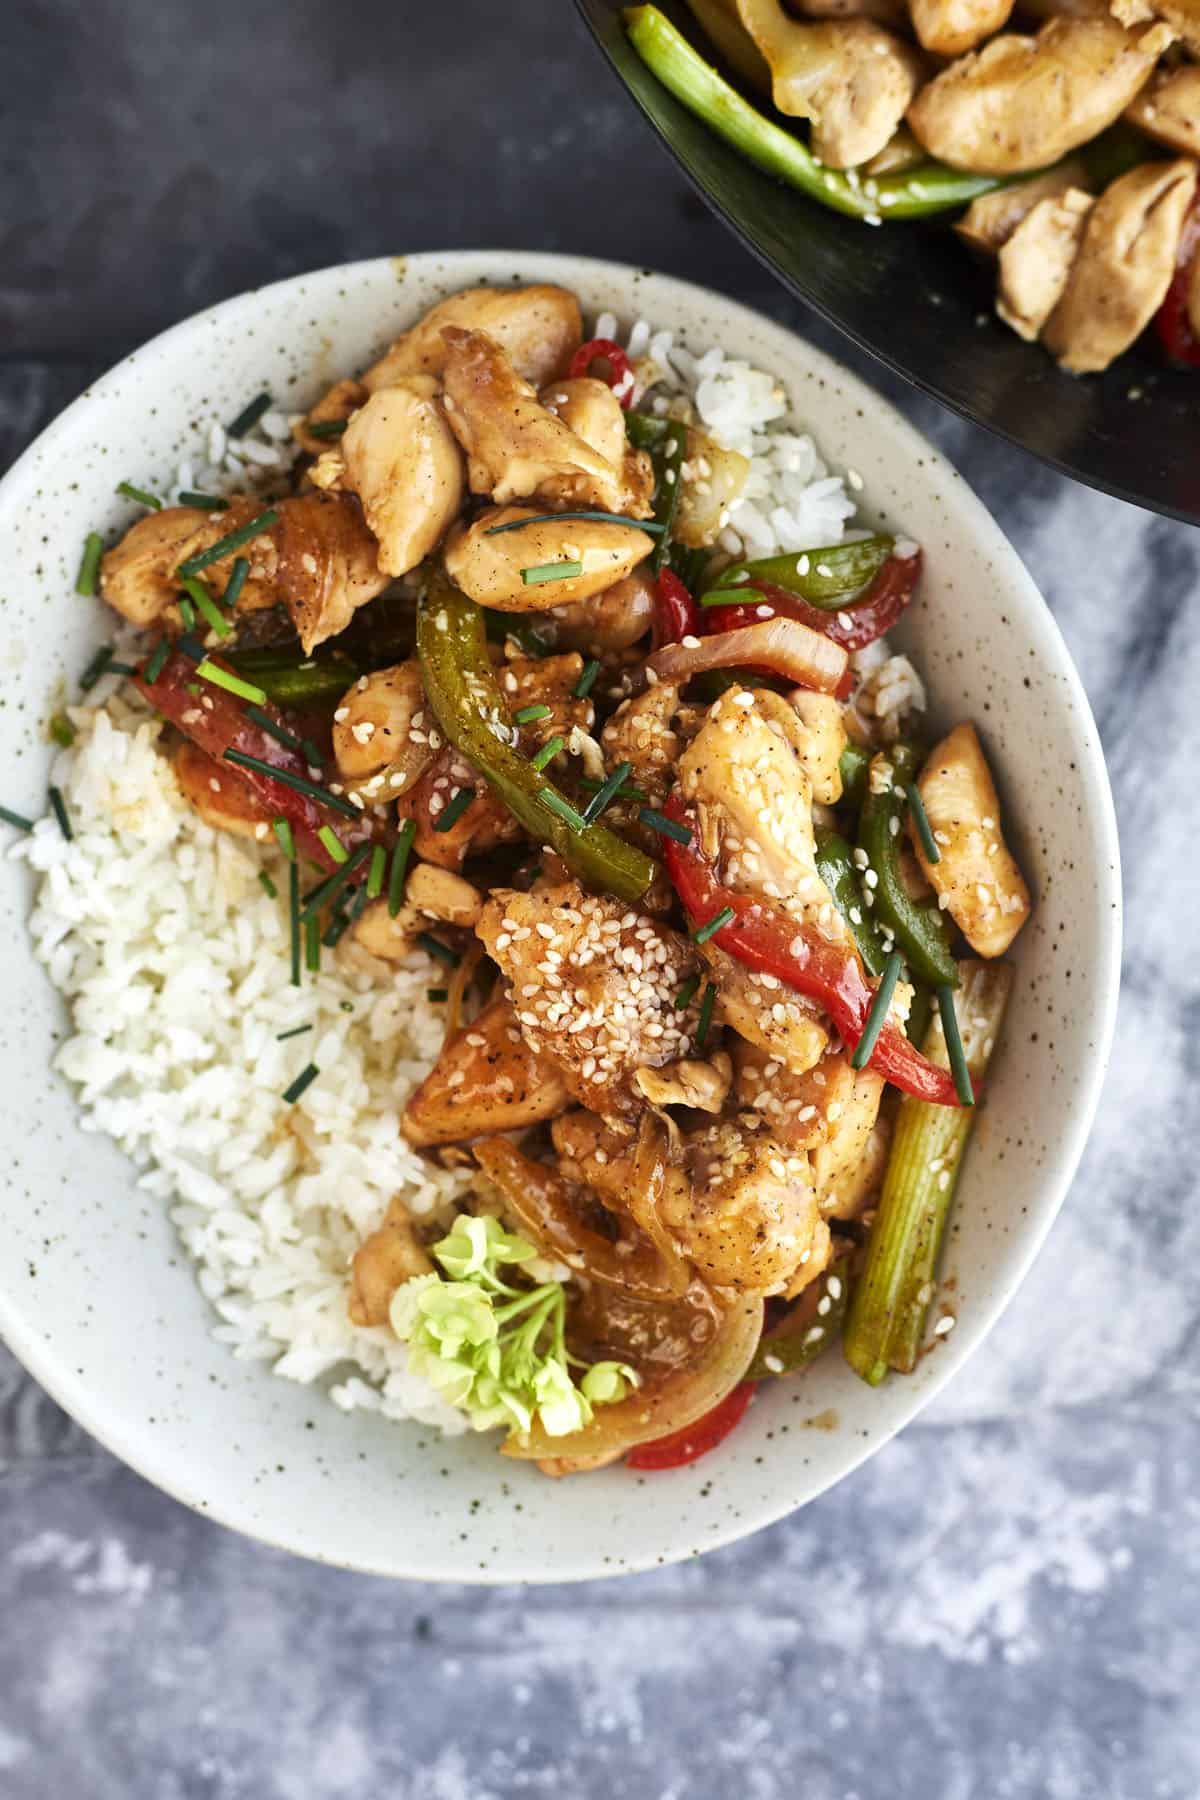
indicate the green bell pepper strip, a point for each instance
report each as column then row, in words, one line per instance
column 470, row 709
column 835, row 866
column 805, row 1331
column 918, row 926
column 853, row 765
column 666, row 442
column 292, row 679
column 913, row 194
column 830, row 578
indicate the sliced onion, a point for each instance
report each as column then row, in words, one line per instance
column 456, row 989
column 650, row 1164
column 784, row 646
column 655, row 1412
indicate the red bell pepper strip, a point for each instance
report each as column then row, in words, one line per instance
column 620, row 371
column 1171, row 321
column 216, row 721
column 853, row 626
column 698, row 1438
column 761, row 937
column 676, row 614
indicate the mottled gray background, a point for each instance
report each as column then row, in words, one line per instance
column 1003, row 1604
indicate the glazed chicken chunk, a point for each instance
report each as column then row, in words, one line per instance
column 487, row 1079
column 538, row 327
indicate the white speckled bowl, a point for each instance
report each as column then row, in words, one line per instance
column 95, row 1296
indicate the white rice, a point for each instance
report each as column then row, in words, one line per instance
column 175, row 965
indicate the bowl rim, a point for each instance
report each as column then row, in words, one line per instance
column 139, row 1450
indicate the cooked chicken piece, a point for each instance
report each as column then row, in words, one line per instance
column 137, row 576
column 1023, row 102
column 741, row 1209
column 850, row 1189
column 592, row 411
column 976, row 879
column 546, row 681
column 1124, row 266
column 220, row 796
column 335, row 406
column 885, row 12
column 851, row 1112
column 650, row 731
column 539, row 327
column 327, row 563
column 1035, row 263
column 1066, row 9
column 597, row 1153
column 991, row 220
column 702, row 1085
column 489, row 568
column 487, row 1079
column 429, row 893
column 383, row 1262
column 485, row 823
column 516, row 448
column 1193, row 295
column 753, row 798
column 731, row 39
column 384, row 734
column 713, row 479
column 1183, row 16
column 820, row 742
column 852, row 79
column 828, row 1107
column 401, row 458
column 900, row 154
column 1168, row 109
column 611, row 620
column 594, row 985
column 952, row 27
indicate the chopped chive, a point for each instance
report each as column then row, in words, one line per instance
column 140, row 495
column 232, row 541
column 665, row 827
column 204, row 502
column 963, row 1085
column 190, row 647
column 437, row 993
column 60, row 813
column 920, row 819
column 624, row 792
column 706, row 1013
column 157, row 663
column 296, row 782
column 604, row 794
column 400, row 855
column 187, row 612
column 378, row 867
column 563, row 808
column 15, row 818
column 285, row 838
column 583, row 686
column 546, row 754
column 325, row 428
column 293, row 912
column 435, row 947
column 301, row 1084
column 456, row 806
column 280, row 733
column 268, row 885
column 528, row 715
column 717, row 923
column 206, row 606
column 360, row 903
column 233, row 684
column 89, row 563
column 539, row 573
column 333, row 884
column 296, row 1031
column 552, row 519
column 333, row 843
column 687, row 993
column 62, row 731
column 861, row 1054
column 249, row 416
column 312, row 944
column 339, row 922
column 310, row 753
column 96, row 668
column 120, row 668
column 236, row 582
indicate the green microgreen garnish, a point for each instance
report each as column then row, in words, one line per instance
column 59, row 806
column 96, row 668
column 377, row 871
column 861, row 1054
column 15, row 818
column 706, row 1013
column 400, row 855
column 333, row 884
column 963, row 1085
column 280, row 733
column 301, row 1084
column 563, row 808
column 296, row 782
column 233, row 684
column 529, row 715
column 606, row 791
column 687, row 993
column 547, row 753
column 665, row 827
column 206, row 606
column 233, row 540
column 249, row 416
column 89, row 563
column 920, row 819
column 333, row 843
column 285, row 838
column 325, row 428
column 62, row 731
column 606, row 518
column 293, row 909
column 539, row 573
column 583, row 686
column 455, row 807
column 296, row 1031
column 268, row 885
column 715, row 924
column 203, row 502
column 236, row 582
column 157, row 662
column 435, row 947
column 140, row 495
